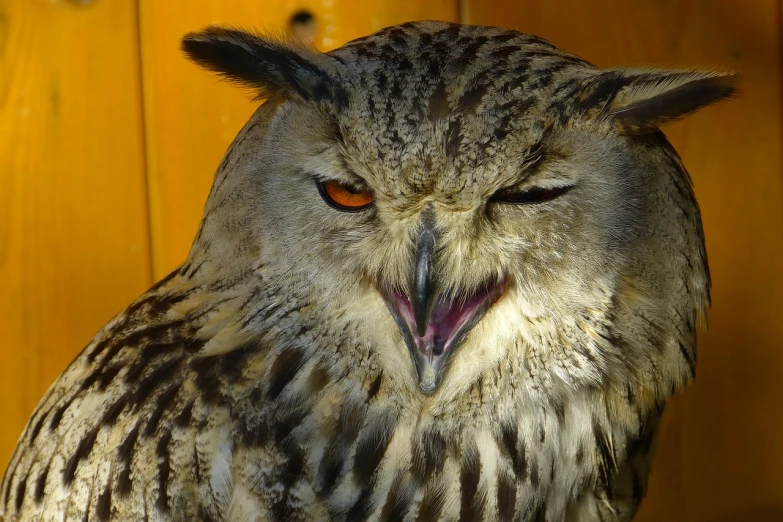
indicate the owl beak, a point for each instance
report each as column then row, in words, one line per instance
column 434, row 324
column 422, row 293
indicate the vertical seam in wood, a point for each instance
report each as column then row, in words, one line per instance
column 463, row 12
column 145, row 149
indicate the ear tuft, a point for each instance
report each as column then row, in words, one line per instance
column 645, row 99
column 267, row 65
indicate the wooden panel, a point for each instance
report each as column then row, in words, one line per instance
column 192, row 117
column 721, row 459
column 73, row 228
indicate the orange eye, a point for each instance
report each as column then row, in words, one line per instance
column 343, row 197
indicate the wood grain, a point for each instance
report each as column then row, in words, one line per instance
column 721, row 457
column 191, row 116
column 74, row 241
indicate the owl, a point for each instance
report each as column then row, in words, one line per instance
column 445, row 272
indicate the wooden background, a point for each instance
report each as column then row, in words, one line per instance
column 109, row 139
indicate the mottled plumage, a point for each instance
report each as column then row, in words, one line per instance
column 493, row 337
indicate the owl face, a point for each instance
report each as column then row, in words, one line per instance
column 464, row 195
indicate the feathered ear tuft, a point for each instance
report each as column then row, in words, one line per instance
column 639, row 101
column 267, row 65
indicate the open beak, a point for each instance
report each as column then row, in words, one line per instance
column 434, row 324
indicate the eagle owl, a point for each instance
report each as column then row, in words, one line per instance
column 445, row 272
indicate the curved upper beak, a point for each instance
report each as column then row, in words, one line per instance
column 422, row 291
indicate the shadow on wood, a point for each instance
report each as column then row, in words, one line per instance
column 754, row 514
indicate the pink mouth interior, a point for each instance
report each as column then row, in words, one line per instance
column 449, row 319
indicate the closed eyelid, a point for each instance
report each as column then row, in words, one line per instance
column 539, row 170
column 537, row 180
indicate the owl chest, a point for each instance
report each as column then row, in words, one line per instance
column 397, row 468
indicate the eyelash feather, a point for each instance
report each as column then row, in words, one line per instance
column 529, row 196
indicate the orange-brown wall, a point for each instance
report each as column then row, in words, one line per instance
column 109, row 139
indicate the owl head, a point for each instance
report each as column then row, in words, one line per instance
column 465, row 202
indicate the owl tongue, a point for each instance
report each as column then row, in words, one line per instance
column 449, row 322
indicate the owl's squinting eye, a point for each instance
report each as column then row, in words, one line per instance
column 343, row 197
column 530, row 196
